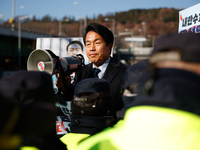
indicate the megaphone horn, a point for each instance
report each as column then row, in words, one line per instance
column 41, row 60
column 46, row 60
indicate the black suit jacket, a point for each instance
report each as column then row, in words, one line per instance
column 114, row 75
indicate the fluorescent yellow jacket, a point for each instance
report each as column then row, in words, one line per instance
column 149, row 128
column 72, row 139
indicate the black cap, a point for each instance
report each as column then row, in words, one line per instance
column 187, row 44
column 91, row 85
column 95, row 99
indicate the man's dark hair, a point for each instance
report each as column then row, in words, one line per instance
column 75, row 42
column 105, row 33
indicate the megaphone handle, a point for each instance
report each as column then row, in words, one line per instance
column 66, row 88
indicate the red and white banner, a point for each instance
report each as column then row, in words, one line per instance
column 63, row 120
column 189, row 19
column 63, row 124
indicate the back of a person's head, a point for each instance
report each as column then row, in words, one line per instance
column 28, row 86
column 105, row 33
column 133, row 74
column 176, row 47
column 92, row 98
column 132, row 79
column 177, row 51
column 27, row 105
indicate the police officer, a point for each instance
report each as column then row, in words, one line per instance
column 91, row 111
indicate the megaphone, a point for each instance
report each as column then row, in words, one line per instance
column 47, row 61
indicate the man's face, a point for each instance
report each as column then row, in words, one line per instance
column 96, row 48
column 74, row 49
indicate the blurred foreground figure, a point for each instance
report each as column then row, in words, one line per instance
column 165, row 114
column 28, row 112
column 105, row 139
column 132, row 79
column 91, row 110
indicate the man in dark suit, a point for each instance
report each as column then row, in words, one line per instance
column 98, row 42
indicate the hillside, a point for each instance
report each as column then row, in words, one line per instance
column 141, row 22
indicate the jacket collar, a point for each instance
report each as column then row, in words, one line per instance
column 89, row 124
column 111, row 70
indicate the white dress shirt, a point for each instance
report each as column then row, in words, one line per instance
column 102, row 68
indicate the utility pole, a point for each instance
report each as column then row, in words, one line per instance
column 13, row 16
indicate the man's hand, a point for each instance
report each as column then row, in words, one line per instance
column 59, row 83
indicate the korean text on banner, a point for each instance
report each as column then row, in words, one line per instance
column 189, row 19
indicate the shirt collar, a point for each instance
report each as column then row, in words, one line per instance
column 102, row 68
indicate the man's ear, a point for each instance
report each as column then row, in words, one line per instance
column 110, row 46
